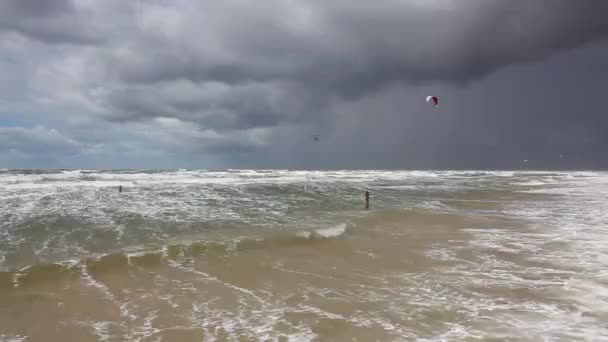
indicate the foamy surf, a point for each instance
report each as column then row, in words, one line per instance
column 331, row 232
column 191, row 255
column 323, row 233
column 5, row 338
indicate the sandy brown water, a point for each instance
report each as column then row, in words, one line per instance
column 470, row 265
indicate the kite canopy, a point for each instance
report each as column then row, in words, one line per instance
column 432, row 99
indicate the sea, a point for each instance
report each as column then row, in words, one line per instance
column 282, row 255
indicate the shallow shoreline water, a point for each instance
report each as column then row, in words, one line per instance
column 243, row 255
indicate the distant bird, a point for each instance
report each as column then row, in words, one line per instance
column 316, row 138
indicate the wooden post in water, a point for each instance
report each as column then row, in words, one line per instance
column 120, row 188
column 367, row 200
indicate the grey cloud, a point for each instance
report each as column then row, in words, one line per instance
column 38, row 140
column 49, row 21
column 354, row 72
column 215, row 105
column 345, row 45
column 535, row 112
column 322, row 51
column 181, row 137
column 36, row 8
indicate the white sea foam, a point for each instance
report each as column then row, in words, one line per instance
column 101, row 330
column 330, row 232
column 434, row 205
column 207, row 196
column 304, row 234
column 532, row 183
column 566, row 234
column 13, row 338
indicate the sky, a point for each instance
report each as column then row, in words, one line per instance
column 249, row 84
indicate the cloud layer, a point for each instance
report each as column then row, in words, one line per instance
column 247, row 83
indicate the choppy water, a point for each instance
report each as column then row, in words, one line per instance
column 237, row 255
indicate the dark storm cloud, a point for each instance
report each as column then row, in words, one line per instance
column 254, row 80
column 534, row 112
column 49, row 21
column 346, row 44
column 216, row 105
column 329, row 49
column 36, row 8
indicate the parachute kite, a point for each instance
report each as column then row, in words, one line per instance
column 432, row 99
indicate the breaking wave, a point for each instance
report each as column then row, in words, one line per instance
column 153, row 257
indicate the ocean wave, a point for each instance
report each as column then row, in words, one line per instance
column 434, row 205
column 48, row 273
column 245, row 176
column 13, row 338
column 330, row 232
column 532, row 183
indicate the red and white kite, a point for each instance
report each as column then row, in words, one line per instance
column 433, row 99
